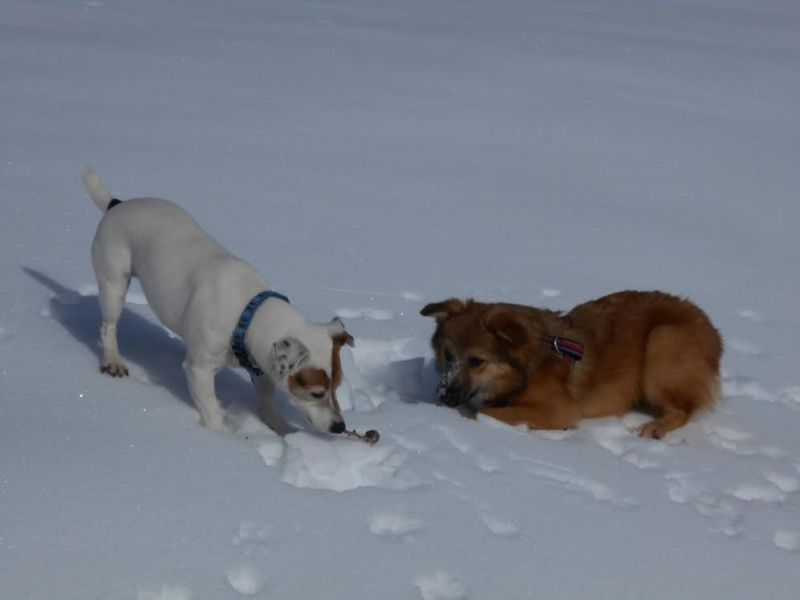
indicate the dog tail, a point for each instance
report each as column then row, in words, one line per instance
column 97, row 190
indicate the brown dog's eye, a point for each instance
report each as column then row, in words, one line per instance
column 474, row 362
column 447, row 356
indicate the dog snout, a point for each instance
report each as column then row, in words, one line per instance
column 452, row 398
column 449, row 393
column 448, row 390
column 337, row 427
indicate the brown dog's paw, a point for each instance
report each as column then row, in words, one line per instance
column 653, row 429
column 115, row 369
column 658, row 428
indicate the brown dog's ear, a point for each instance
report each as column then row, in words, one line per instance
column 504, row 325
column 441, row 311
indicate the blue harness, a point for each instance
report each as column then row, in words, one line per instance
column 237, row 341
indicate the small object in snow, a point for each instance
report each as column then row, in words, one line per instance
column 370, row 437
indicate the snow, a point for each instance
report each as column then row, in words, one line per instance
column 245, row 580
column 340, row 465
column 375, row 314
column 439, row 586
column 786, row 540
column 394, row 524
column 166, row 593
column 783, row 482
column 499, row 525
column 369, row 158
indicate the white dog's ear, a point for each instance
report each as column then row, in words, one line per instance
column 287, row 355
column 339, row 334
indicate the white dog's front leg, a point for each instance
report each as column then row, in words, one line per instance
column 269, row 412
column 201, row 388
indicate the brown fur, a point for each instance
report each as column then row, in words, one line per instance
column 307, row 379
column 645, row 350
column 336, row 362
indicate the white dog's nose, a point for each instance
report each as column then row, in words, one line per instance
column 337, row 427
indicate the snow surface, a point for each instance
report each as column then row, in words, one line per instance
column 368, row 158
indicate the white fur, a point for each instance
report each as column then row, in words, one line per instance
column 97, row 190
column 198, row 290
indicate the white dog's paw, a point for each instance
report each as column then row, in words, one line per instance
column 214, row 423
column 115, row 368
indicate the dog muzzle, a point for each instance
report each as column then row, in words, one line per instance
column 447, row 392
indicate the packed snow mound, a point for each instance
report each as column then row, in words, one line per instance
column 344, row 464
column 394, row 524
column 440, row 586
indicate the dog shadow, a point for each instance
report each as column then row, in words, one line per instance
column 415, row 380
column 146, row 344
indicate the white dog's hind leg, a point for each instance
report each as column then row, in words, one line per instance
column 269, row 412
column 112, row 299
column 201, row 388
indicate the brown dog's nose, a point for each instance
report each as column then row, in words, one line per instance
column 337, row 427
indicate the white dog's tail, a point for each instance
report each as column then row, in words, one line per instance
column 97, row 189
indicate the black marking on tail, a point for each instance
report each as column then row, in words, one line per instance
column 113, row 203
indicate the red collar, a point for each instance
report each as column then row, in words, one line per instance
column 570, row 351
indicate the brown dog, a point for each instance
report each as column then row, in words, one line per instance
column 523, row 365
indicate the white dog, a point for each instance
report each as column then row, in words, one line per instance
column 211, row 299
